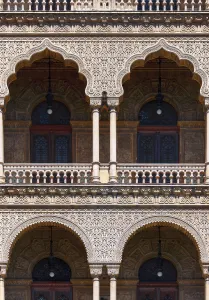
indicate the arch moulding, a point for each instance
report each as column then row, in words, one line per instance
column 171, row 50
column 169, row 221
column 43, row 220
column 28, row 56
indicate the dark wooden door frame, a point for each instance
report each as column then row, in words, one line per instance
column 52, row 287
column 157, row 286
column 50, row 131
column 161, row 130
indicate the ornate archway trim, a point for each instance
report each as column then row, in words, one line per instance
column 170, row 221
column 162, row 44
column 27, row 56
column 38, row 221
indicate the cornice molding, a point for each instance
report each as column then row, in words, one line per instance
column 91, row 195
column 45, row 23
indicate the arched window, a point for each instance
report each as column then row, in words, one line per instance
column 51, row 134
column 148, row 271
column 152, row 287
column 45, row 287
column 157, row 134
column 41, row 271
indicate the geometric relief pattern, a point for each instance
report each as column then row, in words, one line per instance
column 106, row 231
column 104, row 75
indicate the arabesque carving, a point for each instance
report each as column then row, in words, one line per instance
column 97, row 227
column 104, row 61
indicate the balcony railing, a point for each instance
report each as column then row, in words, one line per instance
column 161, row 173
column 104, row 5
column 153, row 174
column 47, row 173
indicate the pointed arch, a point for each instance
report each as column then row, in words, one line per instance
column 172, row 53
column 37, row 53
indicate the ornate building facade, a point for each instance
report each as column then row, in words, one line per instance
column 98, row 192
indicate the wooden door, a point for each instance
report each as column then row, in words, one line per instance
column 153, row 291
column 51, row 291
column 51, row 144
column 158, row 147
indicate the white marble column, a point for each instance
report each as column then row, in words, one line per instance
column 2, row 281
column 113, row 272
column 95, row 123
column 1, row 146
column 113, row 103
column 207, row 140
column 96, row 272
column 207, row 288
column 2, row 288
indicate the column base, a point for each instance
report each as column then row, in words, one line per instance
column 113, row 172
column 96, row 172
column 206, row 173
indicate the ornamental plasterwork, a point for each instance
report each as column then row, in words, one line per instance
column 86, row 22
column 104, row 61
column 105, row 232
column 101, row 195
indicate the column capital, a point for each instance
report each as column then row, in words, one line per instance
column 2, row 102
column 95, row 270
column 113, row 270
column 113, row 102
column 3, row 270
column 205, row 270
column 96, row 102
column 206, row 102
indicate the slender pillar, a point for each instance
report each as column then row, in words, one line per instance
column 2, row 283
column 207, row 141
column 113, row 288
column 2, row 288
column 113, row 271
column 1, row 147
column 206, row 288
column 95, row 138
column 113, row 144
column 96, row 288
column 96, row 272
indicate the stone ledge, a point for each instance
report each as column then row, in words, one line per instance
column 108, row 195
column 72, row 22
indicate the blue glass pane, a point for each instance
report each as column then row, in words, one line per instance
column 60, row 115
column 61, row 149
column 40, row 149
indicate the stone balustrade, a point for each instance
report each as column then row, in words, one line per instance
column 104, row 5
column 161, row 173
column 47, row 173
column 180, row 174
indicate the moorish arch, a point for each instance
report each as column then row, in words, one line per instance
column 178, row 265
column 174, row 222
column 48, row 220
column 37, row 53
column 166, row 50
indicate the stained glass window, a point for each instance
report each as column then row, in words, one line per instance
column 60, row 115
column 60, row 268
column 61, row 149
column 149, row 116
column 148, row 271
column 40, row 149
